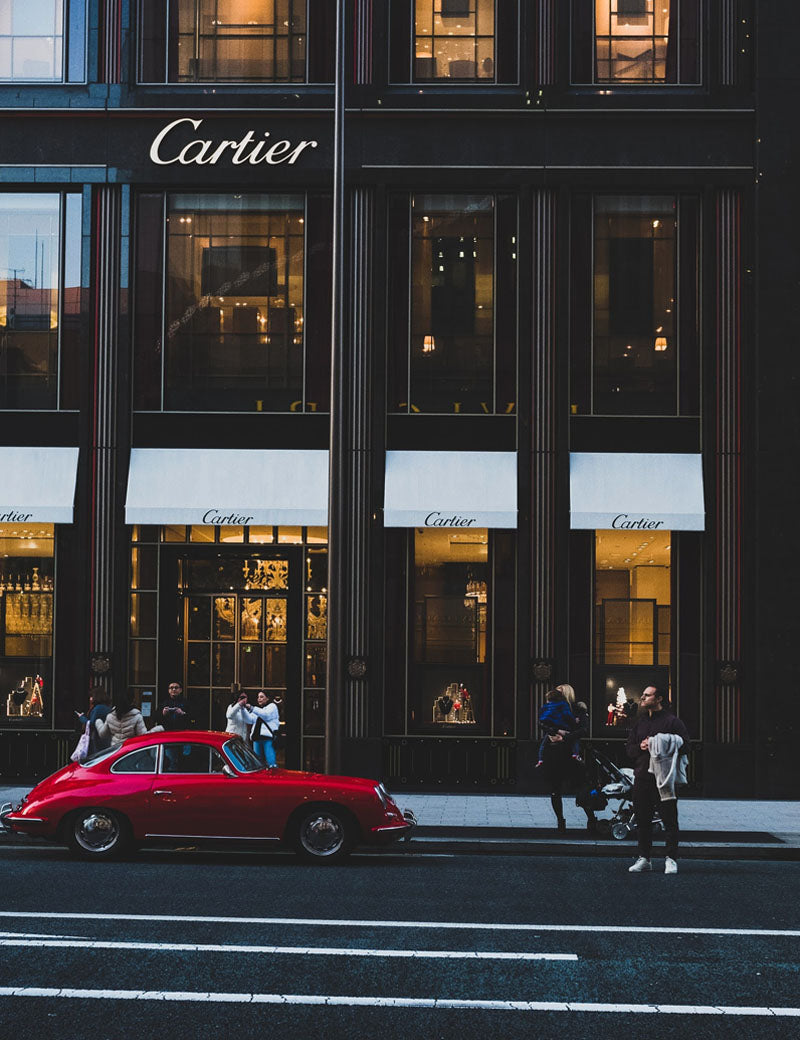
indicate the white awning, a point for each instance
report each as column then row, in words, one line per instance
column 227, row 486
column 37, row 485
column 450, row 489
column 636, row 492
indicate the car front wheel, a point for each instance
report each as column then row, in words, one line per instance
column 323, row 834
column 98, row 834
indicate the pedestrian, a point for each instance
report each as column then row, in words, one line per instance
column 266, row 721
column 173, row 713
column 555, row 715
column 99, row 707
column 235, row 714
column 656, row 739
column 558, row 765
column 123, row 721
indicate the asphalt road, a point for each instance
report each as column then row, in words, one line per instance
column 199, row 944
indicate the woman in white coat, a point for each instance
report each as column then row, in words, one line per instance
column 236, row 714
column 266, row 723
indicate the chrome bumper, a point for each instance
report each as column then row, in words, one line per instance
column 5, row 810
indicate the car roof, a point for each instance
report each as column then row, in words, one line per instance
column 178, row 736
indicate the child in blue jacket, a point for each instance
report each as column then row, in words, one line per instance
column 555, row 714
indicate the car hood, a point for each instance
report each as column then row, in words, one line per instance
column 322, row 779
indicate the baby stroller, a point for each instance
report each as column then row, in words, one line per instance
column 614, row 785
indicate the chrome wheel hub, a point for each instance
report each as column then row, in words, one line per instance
column 97, row 832
column 322, row 834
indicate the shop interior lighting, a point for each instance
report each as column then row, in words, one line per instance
column 660, row 343
column 428, row 345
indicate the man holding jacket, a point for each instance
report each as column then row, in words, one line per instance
column 652, row 743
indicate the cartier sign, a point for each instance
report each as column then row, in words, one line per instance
column 182, row 141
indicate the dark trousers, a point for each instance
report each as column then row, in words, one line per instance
column 645, row 803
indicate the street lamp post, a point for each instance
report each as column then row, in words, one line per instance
column 337, row 469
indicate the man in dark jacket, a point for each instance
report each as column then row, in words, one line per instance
column 173, row 713
column 653, row 718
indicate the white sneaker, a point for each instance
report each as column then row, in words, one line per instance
column 640, row 865
column 670, row 866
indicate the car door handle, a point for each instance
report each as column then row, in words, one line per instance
column 162, row 790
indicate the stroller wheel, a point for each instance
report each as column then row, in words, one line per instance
column 620, row 830
column 604, row 827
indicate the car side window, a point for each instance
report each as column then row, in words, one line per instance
column 191, row 758
column 141, row 761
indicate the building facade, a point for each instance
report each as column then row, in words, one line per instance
column 556, row 408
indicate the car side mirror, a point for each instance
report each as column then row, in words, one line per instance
column 226, row 769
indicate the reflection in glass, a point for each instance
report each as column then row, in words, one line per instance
column 452, row 304
column 31, row 40
column 234, row 339
column 224, row 617
column 29, row 299
column 250, row 618
column 275, row 631
column 316, row 617
column 454, row 39
column 635, row 306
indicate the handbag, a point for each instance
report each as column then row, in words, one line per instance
column 81, row 752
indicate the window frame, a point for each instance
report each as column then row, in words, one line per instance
column 256, row 84
column 402, row 49
column 74, row 49
column 137, row 772
column 64, row 197
column 591, row 80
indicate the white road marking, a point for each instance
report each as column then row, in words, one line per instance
column 324, row 922
column 444, row 1004
column 301, row 951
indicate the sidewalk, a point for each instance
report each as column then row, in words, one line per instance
column 507, row 824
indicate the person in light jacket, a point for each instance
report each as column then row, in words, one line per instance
column 122, row 721
column 237, row 717
column 266, row 721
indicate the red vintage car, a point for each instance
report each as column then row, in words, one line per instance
column 203, row 786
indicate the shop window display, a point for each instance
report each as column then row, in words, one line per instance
column 454, row 39
column 26, row 622
column 236, row 41
column 633, row 622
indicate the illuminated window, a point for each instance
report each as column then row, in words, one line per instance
column 454, row 39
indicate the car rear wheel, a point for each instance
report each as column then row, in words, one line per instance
column 323, row 834
column 98, row 834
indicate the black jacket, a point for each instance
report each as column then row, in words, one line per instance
column 169, row 719
column 647, row 725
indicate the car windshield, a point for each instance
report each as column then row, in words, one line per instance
column 99, row 756
column 241, row 757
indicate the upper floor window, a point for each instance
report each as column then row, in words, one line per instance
column 42, row 41
column 228, row 304
column 454, row 41
column 40, row 288
column 454, row 350
column 237, row 41
column 636, row 41
column 636, row 330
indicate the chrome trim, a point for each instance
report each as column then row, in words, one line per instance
column 211, row 837
column 30, row 819
column 405, row 825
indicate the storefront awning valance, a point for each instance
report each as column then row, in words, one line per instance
column 450, row 489
column 227, row 487
column 636, row 492
column 37, row 485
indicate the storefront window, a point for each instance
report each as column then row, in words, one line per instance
column 635, row 306
column 237, row 41
column 39, row 294
column 257, row 617
column 460, row 354
column 226, row 296
column 636, row 41
column 633, row 622
column 26, row 622
column 234, row 303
